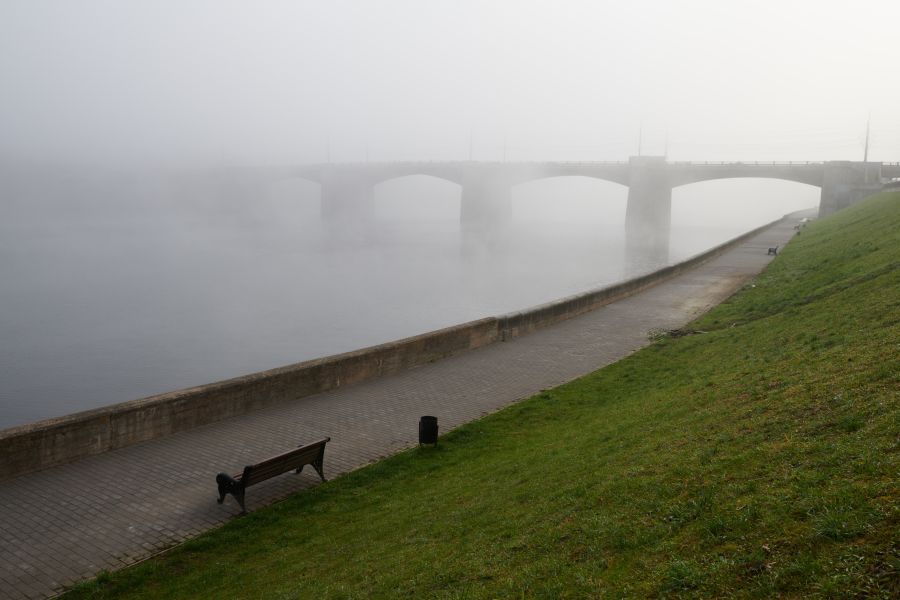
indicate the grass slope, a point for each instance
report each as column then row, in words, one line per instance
column 757, row 459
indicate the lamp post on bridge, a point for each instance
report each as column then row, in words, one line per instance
column 866, row 151
column 640, row 137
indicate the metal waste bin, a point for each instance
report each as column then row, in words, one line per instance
column 428, row 430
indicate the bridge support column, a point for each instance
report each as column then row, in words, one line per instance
column 347, row 197
column 486, row 202
column 648, row 215
column 845, row 183
column 224, row 188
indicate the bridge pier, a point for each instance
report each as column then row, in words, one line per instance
column 845, row 183
column 232, row 191
column 486, row 201
column 648, row 215
column 348, row 196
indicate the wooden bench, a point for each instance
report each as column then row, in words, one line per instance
column 773, row 250
column 294, row 460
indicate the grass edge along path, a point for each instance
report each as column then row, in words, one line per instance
column 757, row 459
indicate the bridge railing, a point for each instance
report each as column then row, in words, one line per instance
column 590, row 163
column 585, row 163
column 774, row 163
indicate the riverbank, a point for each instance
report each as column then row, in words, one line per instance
column 751, row 455
column 61, row 440
column 112, row 509
column 137, row 296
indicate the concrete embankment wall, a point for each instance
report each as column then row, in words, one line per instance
column 56, row 441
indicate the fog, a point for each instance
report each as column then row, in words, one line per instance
column 130, row 265
column 295, row 81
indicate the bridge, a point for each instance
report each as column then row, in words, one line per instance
column 347, row 189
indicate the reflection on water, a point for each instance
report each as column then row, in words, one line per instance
column 110, row 294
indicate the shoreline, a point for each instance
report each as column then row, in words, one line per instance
column 50, row 442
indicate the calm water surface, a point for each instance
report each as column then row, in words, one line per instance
column 115, row 293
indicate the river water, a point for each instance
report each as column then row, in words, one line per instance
column 115, row 292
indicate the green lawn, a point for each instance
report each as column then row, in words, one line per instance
column 760, row 458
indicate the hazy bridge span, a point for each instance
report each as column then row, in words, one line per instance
column 347, row 189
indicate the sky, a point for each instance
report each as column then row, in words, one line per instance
column 276, row 82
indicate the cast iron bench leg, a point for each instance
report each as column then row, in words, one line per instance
column 318, row 466
column 228, row 485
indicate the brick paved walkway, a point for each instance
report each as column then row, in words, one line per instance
column 105, row 512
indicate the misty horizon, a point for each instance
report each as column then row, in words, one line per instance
column 204, row 82
column 106, row 249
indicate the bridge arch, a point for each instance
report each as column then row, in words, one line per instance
column 617, row 174
column 288, row 177
column 708, row 208
column 417, row 197
column 518, row 182
column 294, row 198
column 415, row 174
column 581, row 197
column 808, row 174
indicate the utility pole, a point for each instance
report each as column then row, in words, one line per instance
column 866, row 151
column 640, row 138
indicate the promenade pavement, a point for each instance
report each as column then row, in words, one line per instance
column 105, row 512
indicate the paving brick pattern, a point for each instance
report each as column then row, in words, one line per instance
column 68, row 523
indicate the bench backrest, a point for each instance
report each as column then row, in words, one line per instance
column 304, row 455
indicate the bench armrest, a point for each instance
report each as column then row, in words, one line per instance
column 227, row 483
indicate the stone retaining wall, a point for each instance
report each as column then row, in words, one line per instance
column 64, row 439
column 519, row 323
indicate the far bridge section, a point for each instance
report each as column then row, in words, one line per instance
column 347, row 188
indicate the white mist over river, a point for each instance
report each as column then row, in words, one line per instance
column 118, row 285
column 111, row 290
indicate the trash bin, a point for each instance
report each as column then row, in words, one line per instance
column 428, row 430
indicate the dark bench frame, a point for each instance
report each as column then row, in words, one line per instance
column 310, row 454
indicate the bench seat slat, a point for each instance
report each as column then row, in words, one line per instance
column 261, row 473
column 280, row 464
column 310, row 454
column 315, row 447
column 302, row 458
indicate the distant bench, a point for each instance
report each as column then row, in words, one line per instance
column 773, row 250
column 294, row 460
